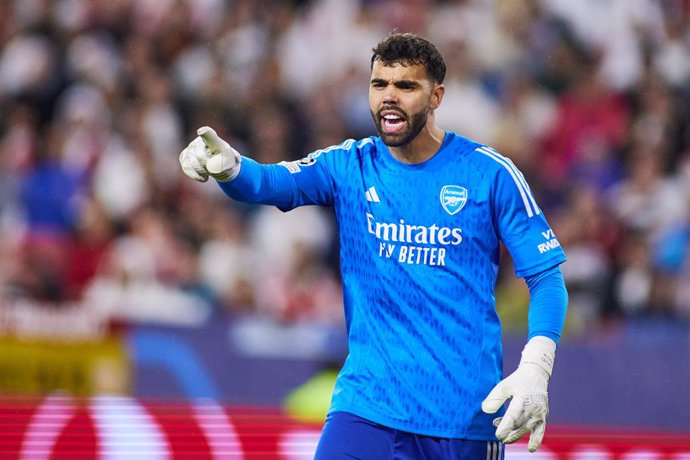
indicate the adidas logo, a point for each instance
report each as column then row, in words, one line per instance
column 372, row 195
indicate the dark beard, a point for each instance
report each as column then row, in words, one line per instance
column 415, row 125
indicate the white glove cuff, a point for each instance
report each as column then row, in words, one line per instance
column 227, row 172
column 238, row 164
column 540, row 351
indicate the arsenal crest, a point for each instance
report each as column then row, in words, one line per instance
column 453, row 198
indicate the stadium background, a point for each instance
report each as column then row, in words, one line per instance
column 145, row 315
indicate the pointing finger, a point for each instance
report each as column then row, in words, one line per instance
column 210, row 138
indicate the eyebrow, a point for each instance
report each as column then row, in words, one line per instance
column 401, row 84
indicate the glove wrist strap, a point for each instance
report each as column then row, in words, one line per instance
column 540, row 351
column 230, row 173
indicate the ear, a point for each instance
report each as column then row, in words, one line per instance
column 437, row 96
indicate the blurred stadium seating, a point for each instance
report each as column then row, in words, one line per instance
column 119, row 277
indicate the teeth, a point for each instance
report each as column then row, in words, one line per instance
column 391, row 117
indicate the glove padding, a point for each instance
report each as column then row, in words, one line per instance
column 527, row 387
column 209, row 155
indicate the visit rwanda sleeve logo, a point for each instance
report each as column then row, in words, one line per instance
column 453, row 198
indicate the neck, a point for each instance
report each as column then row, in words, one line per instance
column 422, row 147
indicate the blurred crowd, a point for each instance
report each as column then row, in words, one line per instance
column 591, row 99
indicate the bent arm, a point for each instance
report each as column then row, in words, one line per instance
column 548, row 303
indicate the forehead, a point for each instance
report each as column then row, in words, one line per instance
column 397, row 71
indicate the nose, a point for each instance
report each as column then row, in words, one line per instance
column 390, row 96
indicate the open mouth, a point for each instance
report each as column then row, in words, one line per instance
column 392, row 122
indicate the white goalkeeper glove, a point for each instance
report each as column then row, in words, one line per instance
column 209, row 155
column 527, row 386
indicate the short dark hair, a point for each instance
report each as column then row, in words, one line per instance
column 410, row 49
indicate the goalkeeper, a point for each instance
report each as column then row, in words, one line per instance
column 421, row 213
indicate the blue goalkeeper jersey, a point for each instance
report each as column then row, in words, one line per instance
column 419, row 254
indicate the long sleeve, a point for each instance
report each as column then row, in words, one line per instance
column 285, row 185
column 548, row 303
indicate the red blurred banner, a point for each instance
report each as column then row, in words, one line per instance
column 124, row 427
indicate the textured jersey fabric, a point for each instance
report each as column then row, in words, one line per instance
column 419, row 253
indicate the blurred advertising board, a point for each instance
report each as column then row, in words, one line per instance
column 126, row 427
column 83, row 368
column 45, row 349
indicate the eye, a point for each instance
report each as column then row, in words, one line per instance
column 406, row 87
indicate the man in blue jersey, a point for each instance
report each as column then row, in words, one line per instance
column 421, row 213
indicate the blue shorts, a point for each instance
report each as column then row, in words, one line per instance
column 347, row 436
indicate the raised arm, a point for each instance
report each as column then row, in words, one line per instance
column 285, row 185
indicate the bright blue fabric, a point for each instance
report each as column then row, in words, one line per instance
column 419, row 254
column 548, row 303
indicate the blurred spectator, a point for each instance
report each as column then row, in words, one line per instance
column 659, row 119
column 633, row 284
column 93, row 236
column 617, row 30
column 646, row 200
column 588, row 233
column 226, row 262
column 588, row 134
column 468, row 107
column 276, row 239
column 146, row 277
column 50, row 196
column 527, row 115
column 307, row 292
